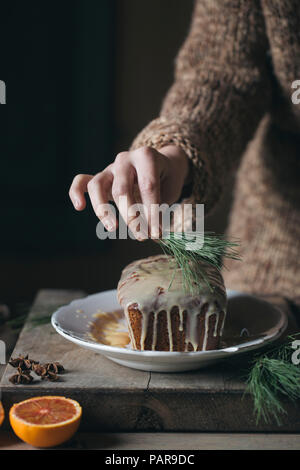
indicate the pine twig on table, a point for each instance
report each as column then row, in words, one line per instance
column 273, row 376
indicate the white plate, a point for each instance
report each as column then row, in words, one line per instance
column 246, row 315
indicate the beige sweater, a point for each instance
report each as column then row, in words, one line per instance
column 232, row 87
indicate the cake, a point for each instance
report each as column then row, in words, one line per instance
column 162, row 316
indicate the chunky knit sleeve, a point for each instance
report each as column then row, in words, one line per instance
column 220, row 92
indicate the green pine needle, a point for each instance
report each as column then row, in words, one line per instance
column 210, row 249
column 273, row 376
column 18, row 322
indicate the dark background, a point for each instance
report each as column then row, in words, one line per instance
column 82, row 79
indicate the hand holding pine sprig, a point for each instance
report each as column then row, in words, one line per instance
column 191, row 249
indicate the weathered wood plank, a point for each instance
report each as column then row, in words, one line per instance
column 85, row 369
column 167, row 441
column 101, row 386
column 116, row 398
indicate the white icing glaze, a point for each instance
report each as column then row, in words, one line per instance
column 208, row 314
column 170, row 330
column 146, row 285
column 181, row 320
column 154, row 331
column 144, row 329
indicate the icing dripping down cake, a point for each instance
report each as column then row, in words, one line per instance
column 161, row 317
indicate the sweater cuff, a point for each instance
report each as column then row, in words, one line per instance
column 164, row 131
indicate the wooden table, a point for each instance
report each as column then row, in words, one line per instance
column 123, row 401
column 167, row 441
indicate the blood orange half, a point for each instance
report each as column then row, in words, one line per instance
column 45, row 421
column 1, row 413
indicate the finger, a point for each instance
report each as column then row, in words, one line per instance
column 77, row 190
column 148, row 178
column 123, row 195
column 99, row 189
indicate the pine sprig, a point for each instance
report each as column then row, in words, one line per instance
column 272, row 377
column 17, row 323
column 191, row 249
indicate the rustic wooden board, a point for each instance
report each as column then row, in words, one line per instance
column 166, row 441
column 116, row 398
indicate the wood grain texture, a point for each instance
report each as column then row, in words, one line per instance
column 166, row 441
column 116, row 398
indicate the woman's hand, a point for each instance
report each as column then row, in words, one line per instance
column 158, row 175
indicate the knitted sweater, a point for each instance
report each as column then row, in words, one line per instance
column 230, row 109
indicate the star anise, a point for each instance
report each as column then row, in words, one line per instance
column 50, row 376
column 21, row 371
column 21, row 377
column 23, row 362
column 48, row 371
column 45, row 371
column 55, row 367
column 39, row 369
column 18, row 361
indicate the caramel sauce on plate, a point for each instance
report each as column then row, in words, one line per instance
column 109, row 328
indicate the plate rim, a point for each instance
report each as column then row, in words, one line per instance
column 236, row 349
